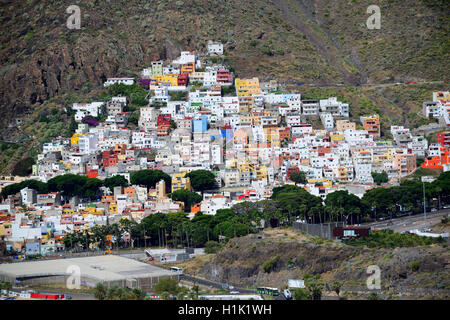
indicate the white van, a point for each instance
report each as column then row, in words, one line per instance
column 287, row 294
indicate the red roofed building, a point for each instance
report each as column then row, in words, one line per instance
column 183, row 79
column 224, row 77
column 437, row 162
column 109, row 158
column 163, row 119
column 443, row 138
column 285, row 133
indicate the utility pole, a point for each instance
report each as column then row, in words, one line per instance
column 145, row 240
column 425, row 179
column 424, row 207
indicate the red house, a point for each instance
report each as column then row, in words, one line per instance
column 109, row 158
column 285, row 133
column 163, row 120
column 92, row 173
column 224, row 76
column 443, row 138
column 183, row 79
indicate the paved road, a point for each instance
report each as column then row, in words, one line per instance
column 410, row 222
column 213, row 284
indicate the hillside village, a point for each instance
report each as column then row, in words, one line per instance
column 251, row 135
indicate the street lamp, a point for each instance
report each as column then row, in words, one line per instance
column 424, row 205
column 425, row 179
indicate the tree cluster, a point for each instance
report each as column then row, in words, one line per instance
column 117, row 293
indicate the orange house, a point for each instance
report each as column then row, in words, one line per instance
column 107, row 199
column 130, row 191
column 121, row 148
column 195, row 208
column 438, row 161
column 323, row 150
column 162, row 130
column 92, row 174
column 188, row 68
column 372, row 126
column 285, row 133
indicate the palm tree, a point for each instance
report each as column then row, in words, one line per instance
column 100, row 291
column 165, row 295
column 391, row 208
column 138, row 294
column 438, row 189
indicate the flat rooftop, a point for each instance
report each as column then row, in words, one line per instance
column 100, row 268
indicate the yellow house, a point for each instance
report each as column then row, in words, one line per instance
column 180, row 182
column 99, row 211
column 327, row 183
column 169, row 78
column 121, row 157
column 44, row 238
column 6, row 229
column 386, row 156
column 90, row 209
column 261, row 172
column 68, row 211
column 336, row 136
column 245, row 167
column 247, row 87
column 272, row 135
column 74, row 138
column 112, row 208
column 231, row 163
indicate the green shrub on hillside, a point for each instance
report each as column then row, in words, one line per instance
column 270, row 265
column 391, row 239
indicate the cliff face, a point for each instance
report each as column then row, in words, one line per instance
column 308, row 41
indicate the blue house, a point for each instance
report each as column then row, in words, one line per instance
column 200, row 125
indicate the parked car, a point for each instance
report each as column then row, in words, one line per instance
column 234, row 292
column 434, row 209
column 287, row 294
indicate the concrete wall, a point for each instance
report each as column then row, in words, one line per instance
column 146, row 284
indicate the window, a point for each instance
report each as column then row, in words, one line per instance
column 349, row 233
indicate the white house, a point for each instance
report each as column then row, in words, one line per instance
column 215, row 48
column 327, row 120
column 86, row 109
column 111, row 81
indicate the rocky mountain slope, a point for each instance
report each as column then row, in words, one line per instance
column 308, row 41
column 241, row 263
